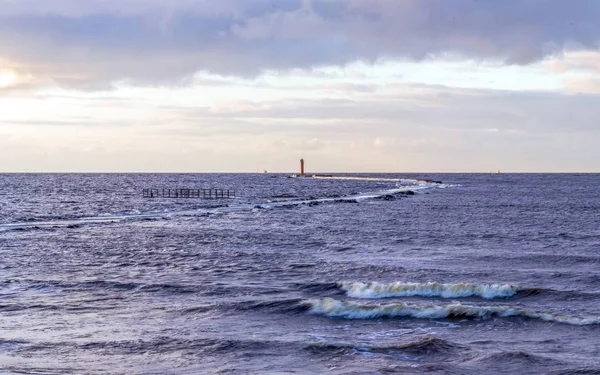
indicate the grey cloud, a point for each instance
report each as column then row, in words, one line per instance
column 78, row 8
column 87, row 45
column 453, row 109
column 198, row 127
column 471, row 128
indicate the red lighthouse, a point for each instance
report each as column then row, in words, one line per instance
column 301, row 167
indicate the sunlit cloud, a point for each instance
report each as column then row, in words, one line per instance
column 7, row 78
column 578, row 61
column 587, row 85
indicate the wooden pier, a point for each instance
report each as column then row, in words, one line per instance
column 189, row 193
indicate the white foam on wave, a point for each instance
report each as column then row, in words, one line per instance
column 351, row 310
column 431, row 289
column 348, row 198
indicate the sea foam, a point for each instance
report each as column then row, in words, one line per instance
column 351, row 310
column 400, row 289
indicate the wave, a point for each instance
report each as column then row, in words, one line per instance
column 164, row 344
column 428, row 345
column 56, row 286
column 432, row 289
column 511, row 358
column 350, row 310
column 578, row 371
column 281, row 306
column 318, row 287
column 70, row 223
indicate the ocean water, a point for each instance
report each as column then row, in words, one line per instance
column 481, row 274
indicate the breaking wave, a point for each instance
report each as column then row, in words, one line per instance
column 400, row 289
column 350, row 310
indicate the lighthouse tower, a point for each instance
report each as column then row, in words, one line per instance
column 301, row 167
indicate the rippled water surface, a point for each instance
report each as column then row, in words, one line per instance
column 479, row 274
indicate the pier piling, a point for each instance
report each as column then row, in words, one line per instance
column 189, row 193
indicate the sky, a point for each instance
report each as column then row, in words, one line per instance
column 348, row 85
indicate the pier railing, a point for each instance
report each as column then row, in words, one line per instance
column 189, row 193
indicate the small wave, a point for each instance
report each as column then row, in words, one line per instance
column 282, row 306
column 52, row 286
column 513, row 362
column 425, row 345
column 12, row 307
column 515, row 357
column 171, row 345
column 350, row 310
column 400, row 289
column 578, row 371
column 318, row 287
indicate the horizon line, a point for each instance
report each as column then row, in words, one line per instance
column 295, row 172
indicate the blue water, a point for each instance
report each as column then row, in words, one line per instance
column 480, row 274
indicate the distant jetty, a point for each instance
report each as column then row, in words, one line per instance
column 312, row 176
column 189, row 193
column 345, row 177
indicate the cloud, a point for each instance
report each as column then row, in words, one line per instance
column 71, row 123
column 412, row 111
column 424, row 129
column 88, row 45
column 13, row 82
column 588, row 85
column 581, row 61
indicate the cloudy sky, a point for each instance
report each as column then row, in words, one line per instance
column 349, row 85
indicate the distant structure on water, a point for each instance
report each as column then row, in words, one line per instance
column 301, row 170
column 189, row 193
column 302, row 174
column 261, row 171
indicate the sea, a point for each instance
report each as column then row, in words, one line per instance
column 351, row 274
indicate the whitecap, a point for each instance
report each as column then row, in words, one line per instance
column 351, row 310
column 431, row 289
